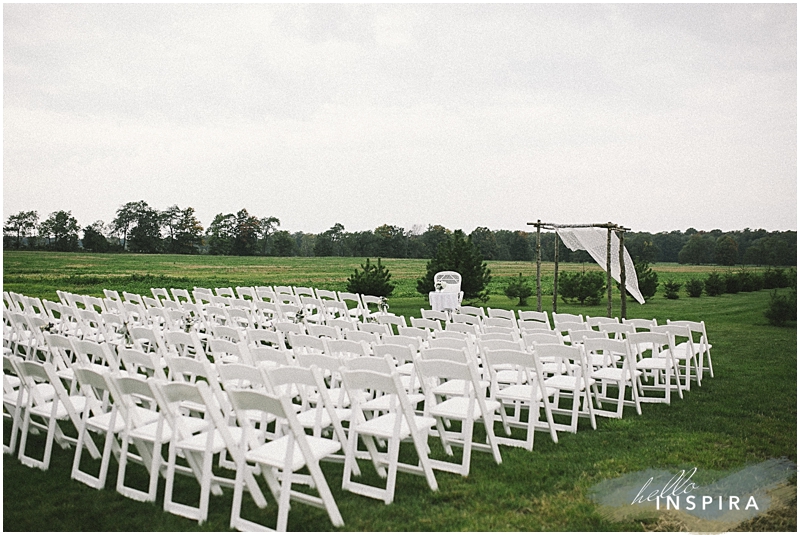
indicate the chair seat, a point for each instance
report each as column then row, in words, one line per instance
column 274, row 453
column 652, row 363
column 102, row 422
column 383, row 426
column 523, row 393
column 148, row 432
column 458, row 408
column 455, row 387
column 566, row 382
column 198, row 442
column 45, row 390
column 46, row 409
column 614, row 374
column 384, row 403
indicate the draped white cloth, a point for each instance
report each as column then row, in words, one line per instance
column 593, row 240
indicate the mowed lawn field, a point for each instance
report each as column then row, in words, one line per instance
column 746, row 414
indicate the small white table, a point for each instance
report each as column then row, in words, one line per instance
column 442, row 301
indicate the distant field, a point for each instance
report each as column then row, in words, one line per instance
column 42, row 273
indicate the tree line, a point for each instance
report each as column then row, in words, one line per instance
column 140, row 228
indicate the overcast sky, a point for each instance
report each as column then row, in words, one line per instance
column 656, row 117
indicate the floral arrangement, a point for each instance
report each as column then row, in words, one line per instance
column 440, row 286
column 384, row 305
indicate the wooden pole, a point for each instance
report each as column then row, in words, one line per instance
column 623, row 296
column 555, row 275
column 608, row 269
column 539, row 266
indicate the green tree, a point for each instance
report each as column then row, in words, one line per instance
column 484, row 239
column 19, row 225
column 519, row 288
column 221, row 234
column 268, row 227
column 647, row 279
column 432, row 237
column 188, row 232
column 283, row 244
column 140, row 227
column 329, row 243
column 698, row 250
column 726, row 251
column 373, row 279
column 459, row 254
column 391, row 241
column 94, row 238
column 246, row 234
column 61, row 231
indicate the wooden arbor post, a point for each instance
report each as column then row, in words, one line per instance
column 608, row 269
column 539, row 265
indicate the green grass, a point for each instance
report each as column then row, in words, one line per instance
column 746, row 414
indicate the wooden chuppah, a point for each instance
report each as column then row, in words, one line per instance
column 610, row 227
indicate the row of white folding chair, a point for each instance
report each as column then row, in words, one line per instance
column 44, row 373
column 199, row 439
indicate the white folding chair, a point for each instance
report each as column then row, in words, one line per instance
column 700, row 344
column 398, row 424
column 469, row 407
column 658, row 368
column 623, row 377
column 523, row 387
column 572, row 379
column 279, row 460
column 99, row 416
column 62, row 407
column 143, row 428
column 197, row 439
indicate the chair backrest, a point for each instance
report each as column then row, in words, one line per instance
column 597, row 321
column 263, row 337
column 227, row 351
column 508, row 323
column 533, row 315
column 499, row 313
column 414, row 332
column 377, row 328
column 304, row 291
column 362, row 336
column 401, row 354
column 444, row 353
column 304, row 343
column 269, row 355
column 327, row 295
column 341, row 323
column 181, row 295
column 346, row 349
column 246, row 291
column 140, row 363
column 403, row 340
column 399, row 321
column 465, row 328
column 619, row 330
column 450, row 280
column 427, row 324
column 640, row 324
column 473, row 311
column 493, row 345
column 564, row 317
column 540, row 337
column 184, row 344
column 608, row 348
column 533, row 326
column 434, row 315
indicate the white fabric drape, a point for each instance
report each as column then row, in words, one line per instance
column 593, row 240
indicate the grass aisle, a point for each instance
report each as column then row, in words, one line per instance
column 745, row 415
